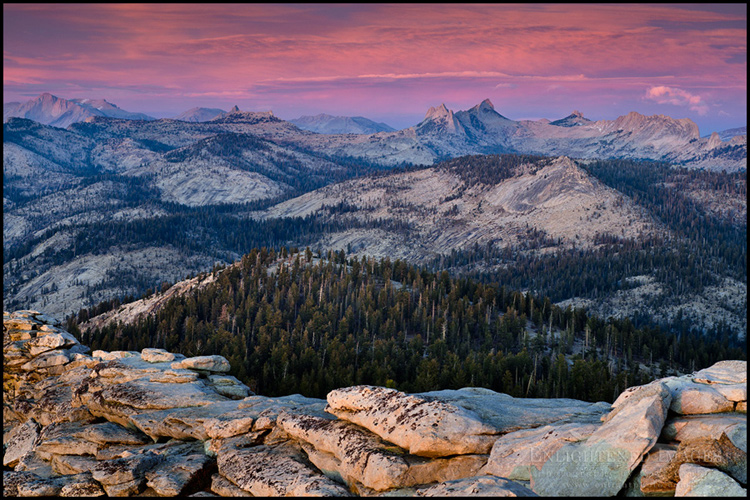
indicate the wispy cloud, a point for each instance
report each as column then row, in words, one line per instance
column 397, row 57
column 678, row 97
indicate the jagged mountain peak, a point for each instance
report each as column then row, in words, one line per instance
column 50, row 109
column 574, row 119
column 235, row 109
column 483, row 111
column 437, row 112
column 439, row 120
column 484, row 106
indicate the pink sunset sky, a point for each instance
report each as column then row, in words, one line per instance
column 387, row 62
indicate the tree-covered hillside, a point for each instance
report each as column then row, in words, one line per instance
column 292, row 323
column 704, row 212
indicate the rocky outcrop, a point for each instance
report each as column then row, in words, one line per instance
column 697, row 481
column 516, row 454
column 723, row 372
column 649, row 478
column 19, row 442
column 602, row 464
column 155, row 423
column 483, row 486
column 684, row 428
column 275, row 471
column 360, row 458
column 427, row 428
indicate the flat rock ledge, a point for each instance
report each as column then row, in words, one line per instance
column 155, row 423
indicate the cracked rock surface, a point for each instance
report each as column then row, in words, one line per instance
column 155, row 423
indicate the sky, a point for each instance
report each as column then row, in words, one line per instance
column 387, row 62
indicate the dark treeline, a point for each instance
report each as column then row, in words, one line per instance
column 290, row 323
column 583, row 273
column 663, row 191
column 492, row 169
column 211, row 229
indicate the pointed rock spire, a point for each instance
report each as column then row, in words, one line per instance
column 714, row 141
column 234, row 109
column 433, row 113
column 486, row 104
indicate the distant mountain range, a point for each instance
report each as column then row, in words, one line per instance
column 112, row 206
column 58, row 112
column 728, row 134
column 327, row 124
column 321, row 124
column 444, row 133
column 482, row 129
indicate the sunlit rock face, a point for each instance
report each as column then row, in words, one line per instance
column 59, row 112
column 155, row 423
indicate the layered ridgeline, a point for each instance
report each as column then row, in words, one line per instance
column 58, row 112
column 620, row 237
column 442, row 133
column 153, row 422
column 102, row 209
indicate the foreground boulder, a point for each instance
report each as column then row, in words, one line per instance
column 184, row 467
column 602, row 464
column 721, row 454
column 424, row 427
column 483, row 486
column 27, row 484
column 507, row 414
column 118, row 402
column 275, row 471
column 649, row 477
column 125, row 476
column 212, row 364
column 359, row 457
column 723, row 372
column 223, row 419
column 516, row 454
column 19, row 442
column 685, row 428
column 697, row 481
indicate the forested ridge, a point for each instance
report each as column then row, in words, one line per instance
column 705, row 248
column 292, row 323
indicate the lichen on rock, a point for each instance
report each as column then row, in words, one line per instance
column 157, row 423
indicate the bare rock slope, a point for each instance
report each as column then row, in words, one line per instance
column 155, row 423
column 445, row 211
column 59, row 112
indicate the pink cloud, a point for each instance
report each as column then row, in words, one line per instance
column 269, row 55
column 678, row 97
